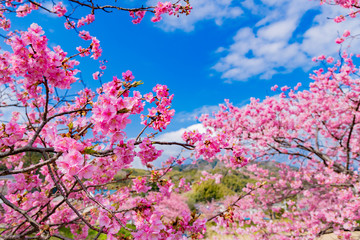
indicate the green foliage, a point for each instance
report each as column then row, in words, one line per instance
column 209, row 190
column 2, row 167
column 191, row 203
column 231, row 183
column 136, row 172
column 236, row 183
column 31, row 158
column 123, row 233
column 132, row 172
column 92, row 235
column 63, row 231
column 191, row 175
column 90, row 150
column 275, row 215
column 66, row 232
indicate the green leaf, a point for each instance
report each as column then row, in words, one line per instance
column 90, row 150
column 124, row 110
column 137, row 83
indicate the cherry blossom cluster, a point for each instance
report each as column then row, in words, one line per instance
column 345, row 35
column 170, row 9
column 87, row 19
column 83, row 145
column 352, row 5
column 318, row 131
column 25, row 9
column 36, row 64
column 59, row 9
column 343, row 3
column 217, row 177
column 84, row 149
column 11, row 133
column 22, row 9
column 96, row 75
column 160, row 116
column 73, row 21
column 148, row 152
column 138, row 15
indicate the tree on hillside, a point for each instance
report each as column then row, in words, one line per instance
column 83, row 144
column 61, row 148
column 314, row 133
column 318, row 131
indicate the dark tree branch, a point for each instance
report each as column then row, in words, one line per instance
column 31, row 168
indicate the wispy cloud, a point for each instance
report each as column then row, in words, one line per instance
column 192, row 116
column 9, row 105
column 170, row 150
column 175, row 136
column 286, row 34
column 49, row 5
column 273, row 46
column 203, row 10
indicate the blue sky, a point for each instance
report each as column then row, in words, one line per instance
column 225, row 49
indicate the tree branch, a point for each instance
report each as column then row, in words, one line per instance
column 31, row 168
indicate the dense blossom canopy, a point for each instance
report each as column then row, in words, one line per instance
column 317, row 131
column 81, row 140
column 83, row 145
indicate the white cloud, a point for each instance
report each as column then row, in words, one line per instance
column 321, row 37
column 175, row 136
column 279, row 30
column 170, row 150
column 265, row 54
column 192, row 116
column 49, row 5
column 269, row 47
column 215, row 10
column 277, row 43
column 9, row 103
column 174, row 150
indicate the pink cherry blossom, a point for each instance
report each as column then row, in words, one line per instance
column 339, row 40
column 59, row 9
column 346, row 33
